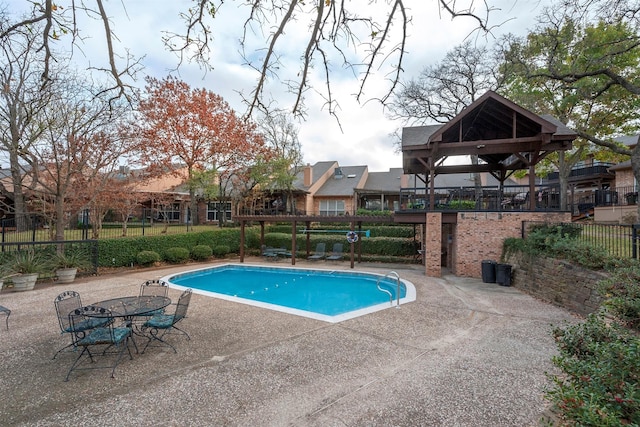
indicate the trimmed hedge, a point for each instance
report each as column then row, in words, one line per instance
column 385, row 246
column 221, row 251
column 390, row 230
column 147, row 257
column 201, row 252
column 386, row 241
column 123, row 251
column 176, row 255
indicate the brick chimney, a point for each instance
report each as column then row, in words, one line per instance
column 308, row 175
column 404, row 181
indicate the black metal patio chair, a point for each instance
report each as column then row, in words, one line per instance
column 103, row 338
column 65, row 303
column 154, row 288
column 161, row 324
column 4, row 310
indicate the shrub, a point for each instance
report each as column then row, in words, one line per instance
column 176, row 255
column 622, row 290
column 201, row 252
column 461, row 204
column 147, row 257
column 566, row 230
column 367, row 212
column 601, row 366
column 560, row 242
column 385, row 246
column 123, row 251
column 221, row 250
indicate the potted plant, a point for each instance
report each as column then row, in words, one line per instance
column 67, row 263
column 24, row 267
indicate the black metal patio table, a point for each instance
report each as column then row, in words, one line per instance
column 128, row 308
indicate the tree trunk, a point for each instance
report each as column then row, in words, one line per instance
column 563, row 175
column 124, row 226
column 19, row 205
column 59, row 220
column 193, row 207
column 635, row 166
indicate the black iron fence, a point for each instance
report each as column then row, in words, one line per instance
column 33, row 230
column 87, row 249
column 620, row 240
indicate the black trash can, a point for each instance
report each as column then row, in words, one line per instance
column 489, row 271
column 503, row 274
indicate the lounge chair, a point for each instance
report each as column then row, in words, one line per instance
column 283, row 252
column 269, row 253
column 319, row 253
column 336, row 253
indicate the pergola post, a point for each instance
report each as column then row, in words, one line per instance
column 352, row 228
column 241, row 241
column 532, row 187
column 293, row 243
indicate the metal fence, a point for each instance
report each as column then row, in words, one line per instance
column 31, row 230
column 47, row 249
column 620, row 240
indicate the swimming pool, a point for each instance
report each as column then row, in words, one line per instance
column 328, row 295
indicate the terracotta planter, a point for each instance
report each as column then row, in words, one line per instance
column 24, row 282
column 66, row 275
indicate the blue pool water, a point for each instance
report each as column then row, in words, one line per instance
column 326, row 295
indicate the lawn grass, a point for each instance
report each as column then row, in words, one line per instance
column 109, row 232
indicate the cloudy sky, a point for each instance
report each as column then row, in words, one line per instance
column 364, row 137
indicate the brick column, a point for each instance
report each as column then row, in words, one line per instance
column 432, row 244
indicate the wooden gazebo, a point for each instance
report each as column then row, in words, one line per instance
column 504, row 136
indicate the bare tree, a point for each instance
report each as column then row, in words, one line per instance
column 81, row 143
column 443, row 90
column 281, row 135
column 22, row 100
column 364, row 35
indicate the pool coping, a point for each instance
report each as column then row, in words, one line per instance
column 410, row 295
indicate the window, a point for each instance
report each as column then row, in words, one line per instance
column 331, row 207
column 169, row 212
column 214, row 209
column 373, row 205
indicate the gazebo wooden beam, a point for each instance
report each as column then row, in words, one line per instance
column 499, row 146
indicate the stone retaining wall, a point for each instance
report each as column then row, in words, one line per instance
column 558, row 282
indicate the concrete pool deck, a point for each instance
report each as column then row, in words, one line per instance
column 465, row 353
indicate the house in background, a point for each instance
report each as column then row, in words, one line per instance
column 329, row 189
column 381, row 191
column 623, row 191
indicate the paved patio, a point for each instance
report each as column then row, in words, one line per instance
column 465, row 353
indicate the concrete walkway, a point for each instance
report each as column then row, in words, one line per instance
column 464, row 353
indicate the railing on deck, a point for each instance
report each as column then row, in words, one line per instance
column 491, row 198
column 486, row 198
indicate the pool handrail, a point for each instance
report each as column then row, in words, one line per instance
column 397, row 276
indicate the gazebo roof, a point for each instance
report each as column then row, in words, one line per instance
column 505, row 136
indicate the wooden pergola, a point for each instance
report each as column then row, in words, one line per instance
column 504, row 136
column 354, row 222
